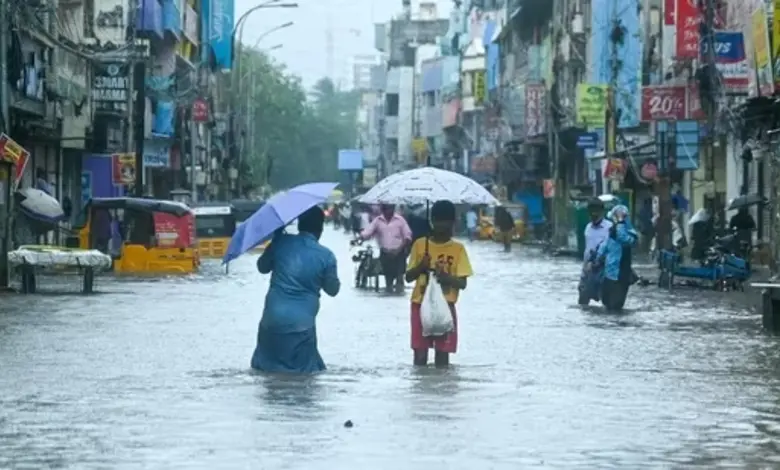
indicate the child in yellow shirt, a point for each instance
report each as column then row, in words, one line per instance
column 446, row 261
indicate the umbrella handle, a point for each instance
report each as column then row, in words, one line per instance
column 428, row 220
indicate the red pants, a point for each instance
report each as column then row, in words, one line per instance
column 445, row 344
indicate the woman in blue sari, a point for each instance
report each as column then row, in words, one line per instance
column 300, row 268
column 614, row 254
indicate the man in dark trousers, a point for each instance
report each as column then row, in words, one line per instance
column 506, row 227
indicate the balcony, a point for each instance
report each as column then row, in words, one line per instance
column 171, row 18
column 150, row 18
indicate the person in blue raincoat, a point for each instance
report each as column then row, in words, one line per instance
column 300, row 269
column 615, row 256
column 596, row 232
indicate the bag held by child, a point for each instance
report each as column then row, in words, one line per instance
column 435, row 314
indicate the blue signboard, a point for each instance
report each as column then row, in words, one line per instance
column 86, row 187
column 220, row 37
column 350, row 160
column 588, row 140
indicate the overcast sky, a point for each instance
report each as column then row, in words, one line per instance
column 304, row 44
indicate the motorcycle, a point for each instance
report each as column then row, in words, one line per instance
column 724, row 263
column 367, row 266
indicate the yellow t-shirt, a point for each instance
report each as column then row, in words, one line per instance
column 452, row 255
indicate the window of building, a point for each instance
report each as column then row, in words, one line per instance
column 391, row 104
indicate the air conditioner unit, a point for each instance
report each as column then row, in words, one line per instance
column 577, row 24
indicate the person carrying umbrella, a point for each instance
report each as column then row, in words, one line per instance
column 394, row 237
column 300, row 268
column 449, row 263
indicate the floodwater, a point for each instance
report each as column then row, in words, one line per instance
column 154, row 374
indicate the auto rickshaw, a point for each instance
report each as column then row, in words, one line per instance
column 215, row 224
column 243, row 209
column 487, row 229
column 143, row 236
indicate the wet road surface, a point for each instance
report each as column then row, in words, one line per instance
column 154, row 374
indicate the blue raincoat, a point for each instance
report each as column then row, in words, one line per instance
column 615, row 257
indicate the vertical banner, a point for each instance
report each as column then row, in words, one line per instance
column 123, row 168
column 762, row 53
column 687, row 29
column 535, row 115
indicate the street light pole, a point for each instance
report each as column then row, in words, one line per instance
column 236, row 80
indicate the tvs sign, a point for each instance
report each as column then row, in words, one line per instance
column 730, row 59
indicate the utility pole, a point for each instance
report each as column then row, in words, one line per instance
column 612, row 115
column 667, row 138
column 6, row 126
column 552, row 142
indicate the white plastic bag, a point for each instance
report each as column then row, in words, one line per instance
column 435, row 314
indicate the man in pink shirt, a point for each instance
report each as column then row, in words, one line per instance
column 394, row 237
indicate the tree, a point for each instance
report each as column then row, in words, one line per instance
column 292, row 138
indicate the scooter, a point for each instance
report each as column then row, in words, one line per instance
column 368, row 269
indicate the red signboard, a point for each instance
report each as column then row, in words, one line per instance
column 200, row 110
column 172, row 231
column 669, row 12
column 687, row 28
column 534, row 110
column 660, row 103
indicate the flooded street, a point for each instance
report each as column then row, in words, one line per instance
column 155, row 374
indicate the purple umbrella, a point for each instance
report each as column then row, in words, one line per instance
column 276, row 213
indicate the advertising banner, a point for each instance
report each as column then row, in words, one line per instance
column 535, row 115
column 220, row 37
column 123, row 168
column 664, row 103
column 730, row 59
column 591, row 105
column 761, row 52
column 687, row 29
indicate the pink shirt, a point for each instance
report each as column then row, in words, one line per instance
column 391, row 235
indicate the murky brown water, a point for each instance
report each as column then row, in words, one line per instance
column 155, row 375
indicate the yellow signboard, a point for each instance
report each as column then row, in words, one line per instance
column 591, row 105
column 420, row 150
column 760, row 37
column 480, row 88
column 776, row 43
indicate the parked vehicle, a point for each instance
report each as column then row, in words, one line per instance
column 215, row 224
column 143, row 236
column 367, row 267
column 487, row 229
column 243, row 208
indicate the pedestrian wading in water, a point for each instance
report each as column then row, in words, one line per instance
column 300, row 268
column 615, row 254
column 443, row 260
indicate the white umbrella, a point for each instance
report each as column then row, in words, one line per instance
column 428, row 184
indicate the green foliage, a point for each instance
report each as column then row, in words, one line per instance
column 294, row 137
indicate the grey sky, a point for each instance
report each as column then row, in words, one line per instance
column 304, row 49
